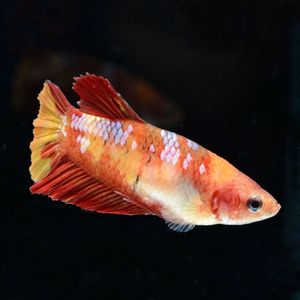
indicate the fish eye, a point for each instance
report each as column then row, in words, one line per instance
column 254, row 204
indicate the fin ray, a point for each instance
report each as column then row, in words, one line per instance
column 177, row 224
column 68, row 183
column 185, row 227
column 98, row 97
column 53, row 106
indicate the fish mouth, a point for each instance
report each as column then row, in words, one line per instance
column 277, row 208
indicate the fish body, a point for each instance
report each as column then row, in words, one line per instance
column 103, row 157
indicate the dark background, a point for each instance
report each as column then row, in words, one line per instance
column 233, row 69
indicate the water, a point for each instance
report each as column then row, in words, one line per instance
column 229, row 73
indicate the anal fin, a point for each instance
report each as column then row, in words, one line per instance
column 69, row 183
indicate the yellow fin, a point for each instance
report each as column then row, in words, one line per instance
column 47, row 128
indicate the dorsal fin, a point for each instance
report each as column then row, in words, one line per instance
column 98, row 97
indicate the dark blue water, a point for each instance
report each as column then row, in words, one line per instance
column 228, row 76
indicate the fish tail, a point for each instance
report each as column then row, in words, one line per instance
column 48, row 131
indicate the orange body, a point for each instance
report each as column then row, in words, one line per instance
column 132, row 167
column 130, row 156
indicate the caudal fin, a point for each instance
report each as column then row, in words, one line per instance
column 48, row 129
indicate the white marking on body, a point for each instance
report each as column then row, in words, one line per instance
column 64, row 123
column 91, row 129
column 80, row 126
column 185, row 164
column 186, row 161
column 95, row 131
column 73, row 118
column 85, row 142
column 202, row 169
column 129, row 128
column 174, row 138
column 118, row 136
column 105, row 135
column 102, row 128
column 84, row 127
column 81, row 121
column 76, row 122
column 192, row 145
column 170, row 152
column 122, row 141
column 87, row 124
column 175, row 157
column 162, row 155
column 152, row 148
column 124, row 138
column 78, row 138
column 126, row 135
column 133, row 145
column 102, row 125
column 168, row 158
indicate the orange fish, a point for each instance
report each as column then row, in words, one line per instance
column 103, row 157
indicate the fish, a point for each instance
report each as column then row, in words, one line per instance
column 103, row 157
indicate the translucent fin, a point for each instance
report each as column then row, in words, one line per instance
column 185, row 227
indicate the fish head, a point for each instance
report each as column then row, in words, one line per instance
column 240, row 200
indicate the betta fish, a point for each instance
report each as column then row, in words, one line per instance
column 103, row 157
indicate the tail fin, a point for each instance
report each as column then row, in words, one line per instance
column 48, row 128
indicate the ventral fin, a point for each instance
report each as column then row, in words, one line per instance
column 184, row 227
column 176, row 223
column 98, row 97
column 68, row 183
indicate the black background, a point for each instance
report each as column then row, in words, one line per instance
column 229, row 66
